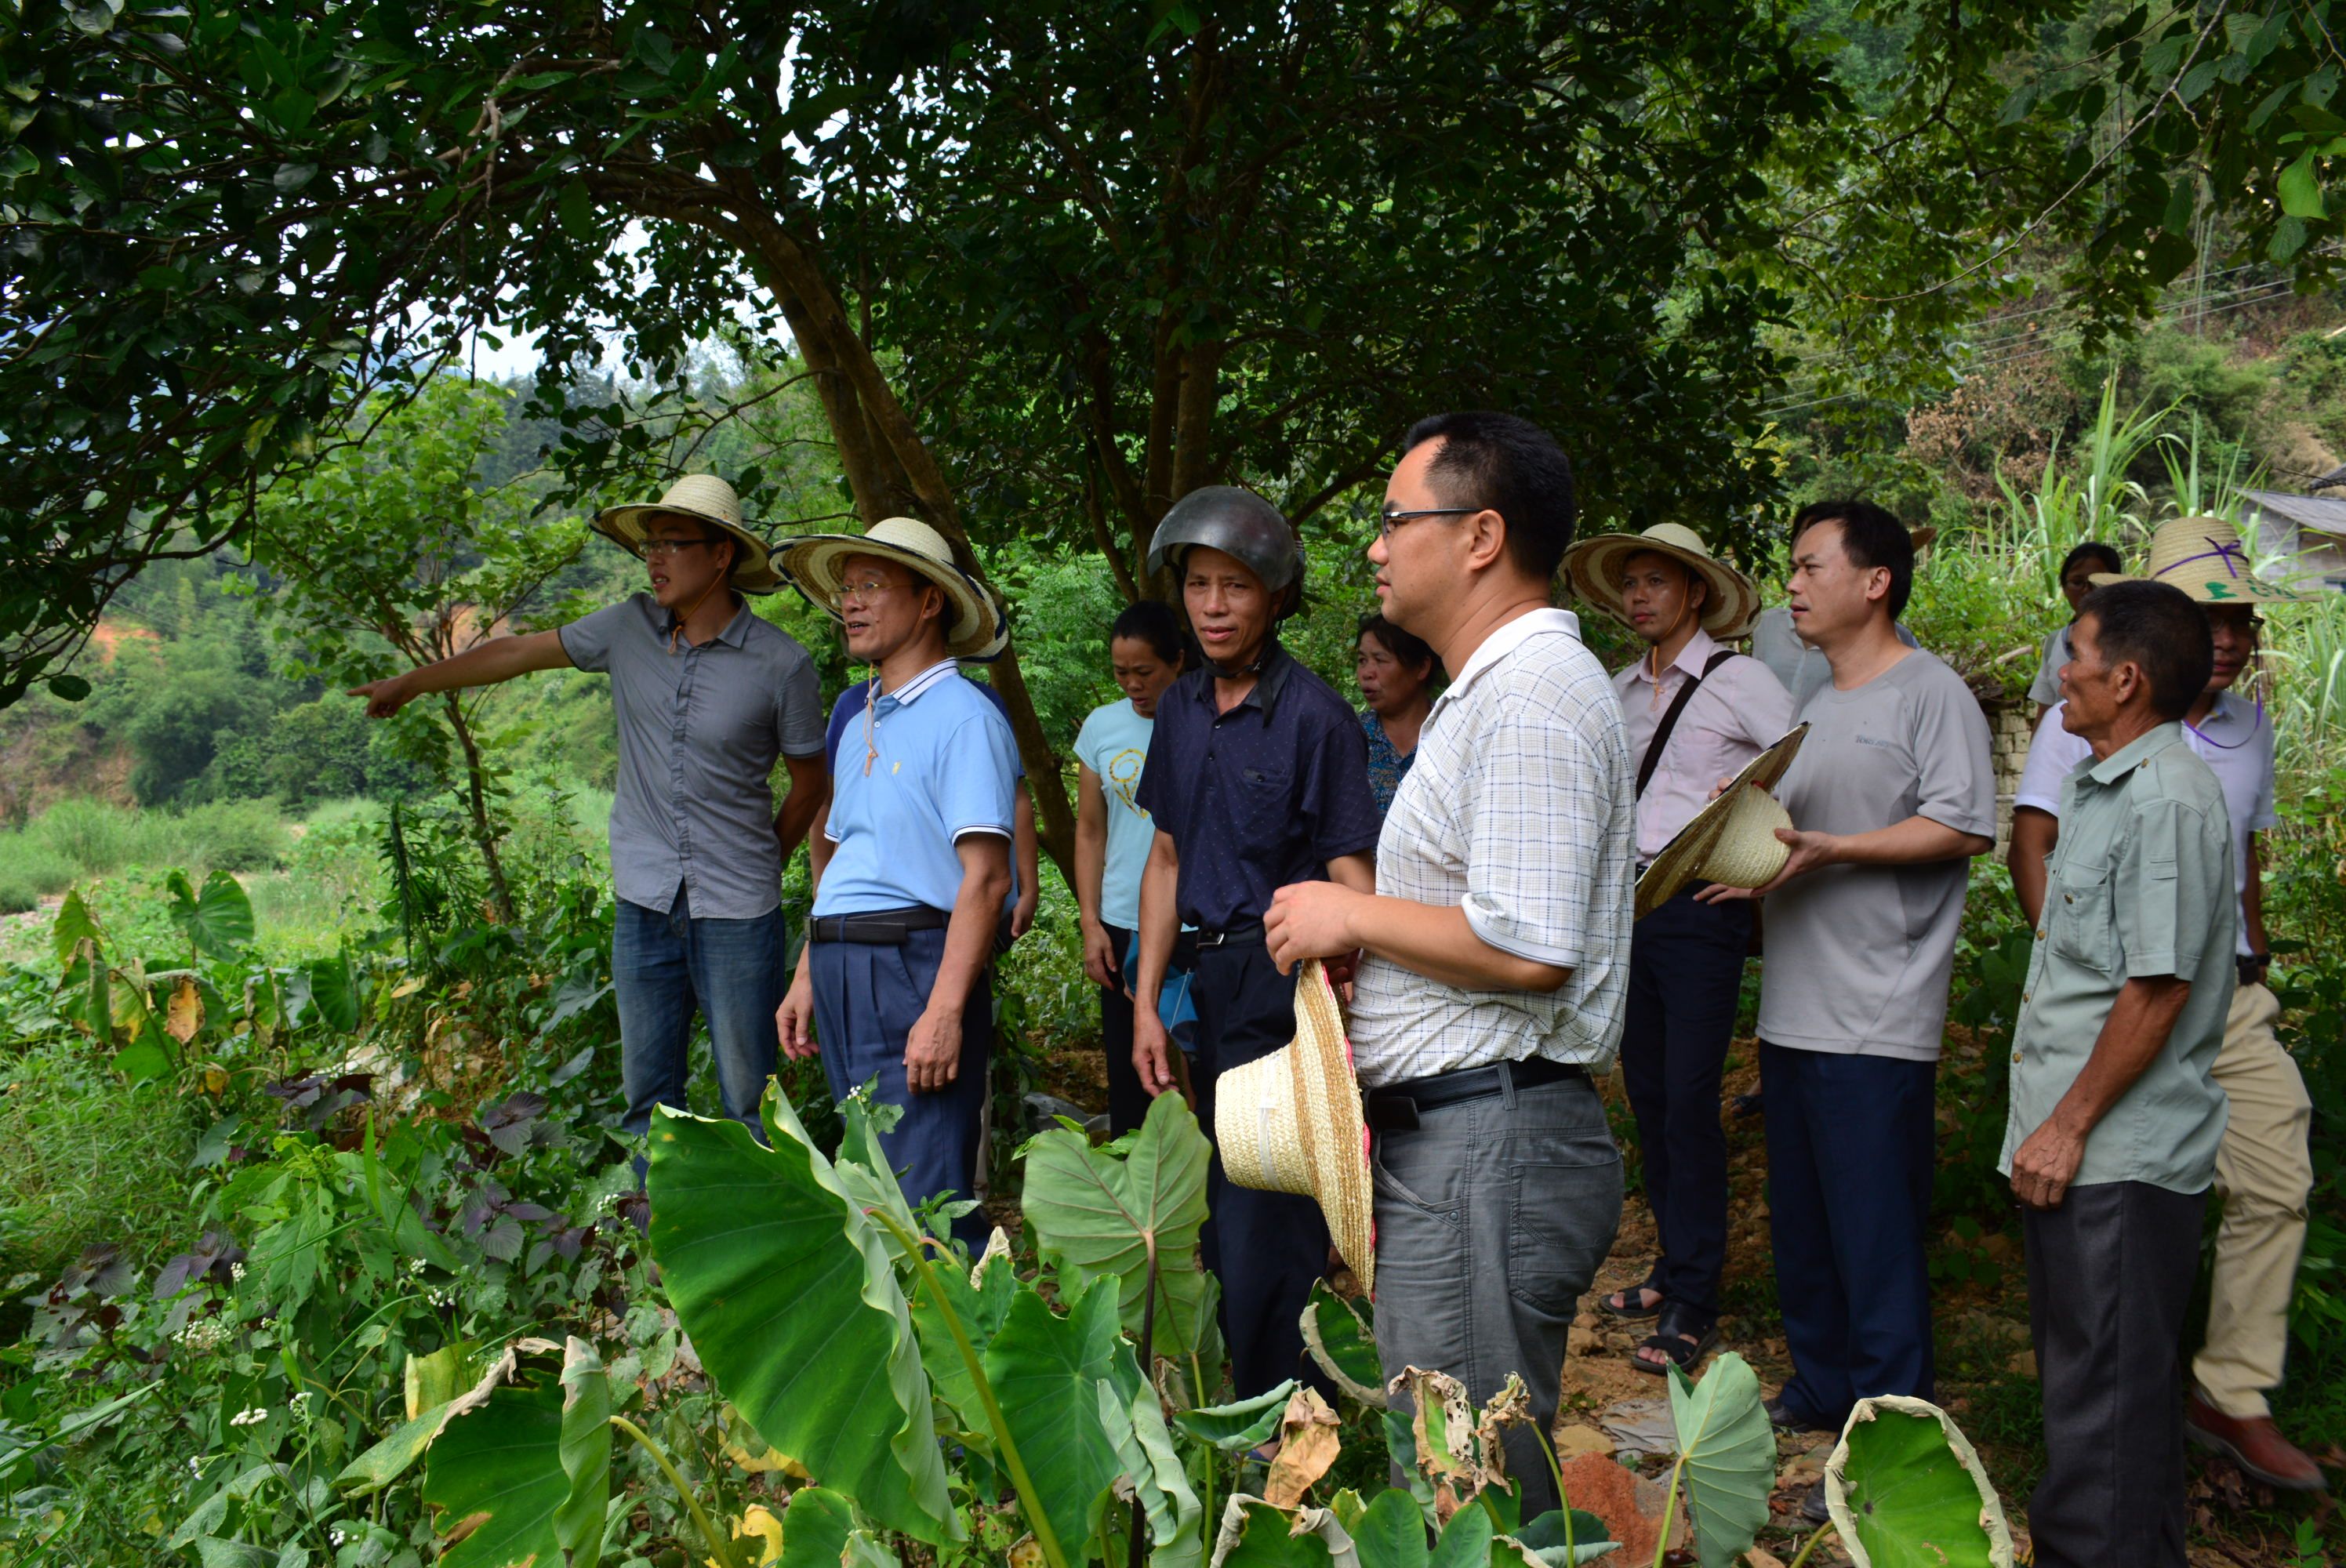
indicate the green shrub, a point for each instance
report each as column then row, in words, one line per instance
column 226, row 835
column 84, row 1159
column 29, row 872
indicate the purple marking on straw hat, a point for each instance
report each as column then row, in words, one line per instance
column 2233, row 555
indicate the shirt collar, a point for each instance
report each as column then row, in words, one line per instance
column 1270, row 680
column 2231, row 708
column 2135, row 752
column 1692, row 657
column 736, row 632
column 909, row 692
column 1504, row 641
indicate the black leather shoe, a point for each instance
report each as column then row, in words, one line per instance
column 1812, row 1504
column 1784, row 1417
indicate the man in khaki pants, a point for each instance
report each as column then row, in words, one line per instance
column 2264, row 1167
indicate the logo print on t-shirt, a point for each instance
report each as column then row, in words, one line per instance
column 1124, row 773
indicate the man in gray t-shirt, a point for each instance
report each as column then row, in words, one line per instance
column 1892, row 794
column 707, row 696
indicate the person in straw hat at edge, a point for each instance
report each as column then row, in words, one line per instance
column 707, row 696
column 1496, row 943
column 1257, row 776
column 1697, row 711
column 2264, row 1166
column 895, row 985
column 1892, row 793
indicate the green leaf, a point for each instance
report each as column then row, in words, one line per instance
column 1135, row 1424
column 792, row 1302
column 1045, row 1369
column 1254, row 1534
column 2301, row 189
column 496, row 1472
column 1337, row 1334
column 68, row 687
column 576, row 209
column 141, row 1059
column 1246, row 1424
column 980, row 1306
column 1543, row 1538
column 1907, row 1491
column 815, row 1529
column 586, row 1454
column 1466, row 1542
column 1097, row 1214
column 1391, row 1533
column 73, row 925
column 334, row 990
column 1728, row 1451
column 219, row 921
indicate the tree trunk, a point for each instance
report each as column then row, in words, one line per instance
column 476, row 797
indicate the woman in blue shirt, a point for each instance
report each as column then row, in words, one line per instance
column 1396, row 673
column 1113, row 834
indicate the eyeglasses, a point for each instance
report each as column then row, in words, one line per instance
column 1391, row 520
column 865, row 592
column 655, row 549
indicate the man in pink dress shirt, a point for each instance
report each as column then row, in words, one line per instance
column 1698, row 712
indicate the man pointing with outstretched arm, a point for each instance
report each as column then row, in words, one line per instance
column 1497, row 939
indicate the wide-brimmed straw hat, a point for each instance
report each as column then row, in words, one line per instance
column 2205, row 558
column 1731, row 840
column 704, row 498
column 1290, row 1122
column 977, row 628
column 1594, row 566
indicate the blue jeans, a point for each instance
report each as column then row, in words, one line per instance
column 1851, row 1144
column 666, row 967
column 867, row 997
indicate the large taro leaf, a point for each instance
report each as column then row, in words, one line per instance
column 1728, row 1451
column 219, row 920
column 787, row 1290
column 496, row 1475
column 1096, row 1213
column 1046, row 1371
column 1544, row 1539
column 1390, row 1533
column 586, row 1455
column 1254, row 1534
column 815, row 1529
column 1906, row 1489
column 1337, row 1334
column 981, row 1299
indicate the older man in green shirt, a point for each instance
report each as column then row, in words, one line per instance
column 2115, row 1118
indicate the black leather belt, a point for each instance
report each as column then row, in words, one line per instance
column 1235, row 936
column 878, row 928
column 1396, row 1107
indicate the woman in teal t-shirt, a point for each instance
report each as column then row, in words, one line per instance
column 1113, row 834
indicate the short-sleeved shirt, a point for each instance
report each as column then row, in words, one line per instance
column 1739, row 710
column 2234, row 740
column 1387, row 767
column 850, row 709
column 1264, row 795
column 1114, row 744
column 699, row 731
column 1519, row 812
column 943, row 767
column 1801, row 668
column 2045, row 689
column 2138, row 888
column 1857, row 958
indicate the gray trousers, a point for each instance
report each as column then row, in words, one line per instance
column 2109, row 1280
column 1491, row 1217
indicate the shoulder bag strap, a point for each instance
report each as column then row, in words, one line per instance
column 1670, row 719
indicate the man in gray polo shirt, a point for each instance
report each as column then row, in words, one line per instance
column 1890, row 795
column 1497, row 941
column 707, row 697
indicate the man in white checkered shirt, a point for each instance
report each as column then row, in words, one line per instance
column 1495, row 950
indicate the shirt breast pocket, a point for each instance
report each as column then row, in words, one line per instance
column 2082, row 921
column 1266, row 804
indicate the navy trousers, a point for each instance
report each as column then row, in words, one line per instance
column 1265, row 1247
column 1686, row 968
column 1849, row 1148
column 867, row 997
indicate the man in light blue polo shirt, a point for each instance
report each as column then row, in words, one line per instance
column 893, row 988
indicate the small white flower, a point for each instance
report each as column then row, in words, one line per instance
column 301, row 1404
column 336, row 1536
column 439, row 1297
column 203, row 1334
column 236, row 1273
column 251, row 1417
column 415, row 1265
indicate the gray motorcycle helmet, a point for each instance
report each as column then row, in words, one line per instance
column 1239, row 524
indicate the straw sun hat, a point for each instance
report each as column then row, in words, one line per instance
column 1594, row 566
column 976, row 627
column 2205, row 558
column 1732, row 840
column 704, row 498
column 1290, row 1122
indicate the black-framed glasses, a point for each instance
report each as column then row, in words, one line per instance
column 1390, row 520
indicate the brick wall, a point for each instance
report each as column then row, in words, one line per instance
column 2009, row 727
